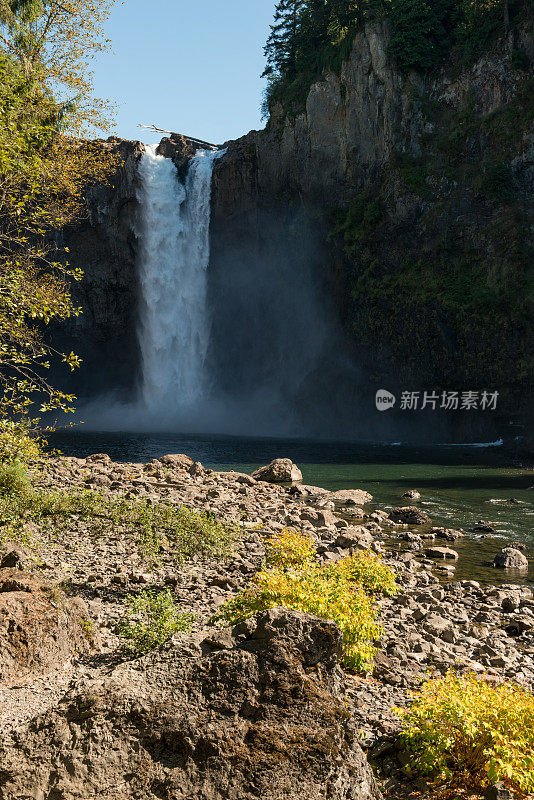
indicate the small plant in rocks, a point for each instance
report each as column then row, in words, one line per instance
column 467, row 734
column 369, row 571
column 331, row 591
column 150, row 618
column 88, row 630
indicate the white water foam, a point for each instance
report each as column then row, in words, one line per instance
column 173, row 259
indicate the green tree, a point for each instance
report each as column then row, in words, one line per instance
column 46, row 103
column 281, row 47
column 312, row 34
column 422, row 31
column 307, row 36
column 479, row 22
column 342, row 16
column 325, row 27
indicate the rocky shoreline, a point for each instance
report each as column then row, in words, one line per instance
column 432, row 624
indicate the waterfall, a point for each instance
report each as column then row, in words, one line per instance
column 246, row 347
column 173, row 259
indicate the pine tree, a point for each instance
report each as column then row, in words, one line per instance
column 342, row 16
column 305, row 39
column 318, row 19
column 422, row 31
column 281, row 48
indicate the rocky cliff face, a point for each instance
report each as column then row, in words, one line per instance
column 349, row 127
column 104, row 247
column 425, row 185
column 353, row 123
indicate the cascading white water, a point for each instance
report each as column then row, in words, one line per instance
column 173, row 258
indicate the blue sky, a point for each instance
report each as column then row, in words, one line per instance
column 191, row 67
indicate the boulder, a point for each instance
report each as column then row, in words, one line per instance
column 256, row 712
column 326, row 504
column 102, row 458
column 437, row 625
column 350, row 497
column 377, row 515
column 357, row 537
column 242, row 477
column 450, row 534
column 441, row 552
column 520, row 624
column 297, row 490
column 445, row 569
column 13, row 557
column 518, row 546
column 280, row 470
column 176, row 461
column 411, row 494
column 510, row 558
column 498, row 791
column 483, row 527
column 319, row 518
column 197, row 470
column 409, row 515
column 510, row 603
column 305, row 490
column 40, row 628
column 355, row 512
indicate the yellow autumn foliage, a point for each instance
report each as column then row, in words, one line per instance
column 289, row 548
column 467, row 734
column 337, row 591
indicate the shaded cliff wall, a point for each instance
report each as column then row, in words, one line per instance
column 276, row 334
column 420, row 190
column 104, row 246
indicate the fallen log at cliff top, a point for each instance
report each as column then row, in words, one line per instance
column 183, row 136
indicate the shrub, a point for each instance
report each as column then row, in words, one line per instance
column 358, row 222
column 314, row 591
column 421, row 32
column 16, row 444
column 150, row 618
column 184, row 531
column 468, row 734
column 88, row 630
column 498, row 182
column 187, row 531
column 333, row 591
column 289, row 548
column 368, row 571
column 478, row 26
column 14, row 478
column 414, row 171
